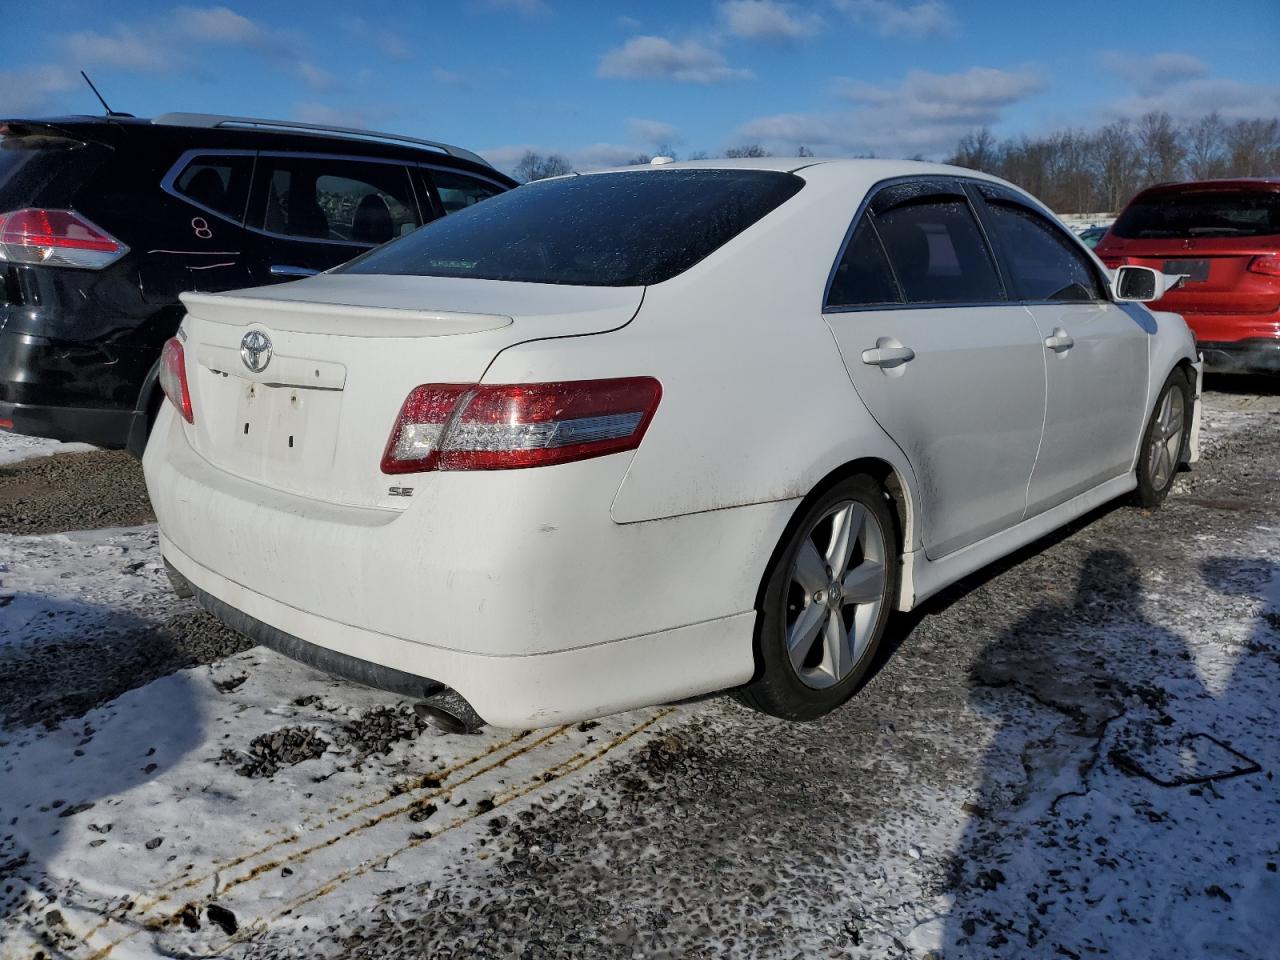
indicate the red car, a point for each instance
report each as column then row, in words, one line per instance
column 1224, row 236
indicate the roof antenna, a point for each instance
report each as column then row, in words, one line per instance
column 110, row 112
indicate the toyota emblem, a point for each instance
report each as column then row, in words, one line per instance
column 255, row 350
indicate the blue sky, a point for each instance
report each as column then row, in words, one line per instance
column 601, row 82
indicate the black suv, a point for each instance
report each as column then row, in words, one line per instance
column 104, row 221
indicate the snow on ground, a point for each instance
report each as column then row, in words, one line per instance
column 1093, row 777
column 144, row 812
column 15, row 447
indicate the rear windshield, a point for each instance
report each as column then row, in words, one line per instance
column 1216, row 213
column 612, row 230
column 28, row 162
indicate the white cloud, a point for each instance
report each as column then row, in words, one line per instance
column 657, row 57
column 126, row 48
column 1192, row 99
column 29, row 91
column 767, row 20
column 217, row 25
column 925, row 114
column 387, row 42
column 890, row 18
column 448, row 77
column 1151, row 73
column 654, row 133
column 326, row 115
column 528, row 8
column 315, row 77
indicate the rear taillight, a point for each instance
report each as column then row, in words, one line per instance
column 506, row 426
column 1268, row 265
column 60, row 238
column 173, row 378
column 1114, row 262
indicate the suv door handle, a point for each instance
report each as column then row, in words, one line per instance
column 285, row 270
column 1059, row 341
column 887, row 356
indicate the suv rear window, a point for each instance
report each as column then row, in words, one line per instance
column 217, row 183
column 611, row 229
column 1201, row 213
column 29, row 161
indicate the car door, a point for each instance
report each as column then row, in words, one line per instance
column 308, row 213
column 951, row 370
column 1096, row 351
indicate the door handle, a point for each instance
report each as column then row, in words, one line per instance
column 1059, row 341
column 285, row 270
column 887, row 356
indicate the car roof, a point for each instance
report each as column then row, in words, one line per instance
column 213, row 132
column 855, row 168
column 1231, row 183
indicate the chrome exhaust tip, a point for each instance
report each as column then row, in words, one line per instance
column 448, row 712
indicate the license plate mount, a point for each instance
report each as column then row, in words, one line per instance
column 1196, row 271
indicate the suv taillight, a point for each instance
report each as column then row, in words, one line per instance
column 449, row 426
column 60, row 238
column 173, row 378
column 1267, row 265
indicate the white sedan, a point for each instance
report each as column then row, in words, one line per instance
column 623, row 438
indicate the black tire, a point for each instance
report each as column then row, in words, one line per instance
column 1155, row 481
column 779, row 688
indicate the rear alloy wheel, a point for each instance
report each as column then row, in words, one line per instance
column 1163, row 442
column 826, row 603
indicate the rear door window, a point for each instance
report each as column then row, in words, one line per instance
column 219, row 184
column 457, row 191
column 335, row 200
column 1201, row 213
column 863, row 277
column 936, row 249
column 1042, row 264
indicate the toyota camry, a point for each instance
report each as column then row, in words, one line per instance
column 622, row 438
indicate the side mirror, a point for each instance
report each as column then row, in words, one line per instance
column 1142, row 284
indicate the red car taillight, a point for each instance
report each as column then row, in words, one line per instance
column 173, row 378
column 506, row 426
column 60, row 238
column 1114, row 262
column 1268, row 265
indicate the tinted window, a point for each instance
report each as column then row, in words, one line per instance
column 334, row 199
column 220, row 184
column 28, row 163
column 457, row 191
column 938, row 253
column 613, row 229
column 1201, row 213
column 1043, row 264
column 863, row 276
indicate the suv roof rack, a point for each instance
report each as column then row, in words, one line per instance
column 293, row 126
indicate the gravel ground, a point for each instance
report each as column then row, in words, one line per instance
column 73, row 491
column 990, row 792
column 738, row 835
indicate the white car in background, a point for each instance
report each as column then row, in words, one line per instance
column 623, row 438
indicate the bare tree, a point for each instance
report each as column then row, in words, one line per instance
column 535, row 166
column 1206, row 147
column 749, row 151
column 977, row 150
column 804, row 152
column 1253, row 147
column 1162, row 151
column 1115, row 164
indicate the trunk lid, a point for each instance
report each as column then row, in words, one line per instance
column 1218, row 281
column 315, row 415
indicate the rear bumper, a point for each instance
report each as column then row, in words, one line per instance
column 515, row 588
column 534, row 690
column 102, row 428
column 1257, row 355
